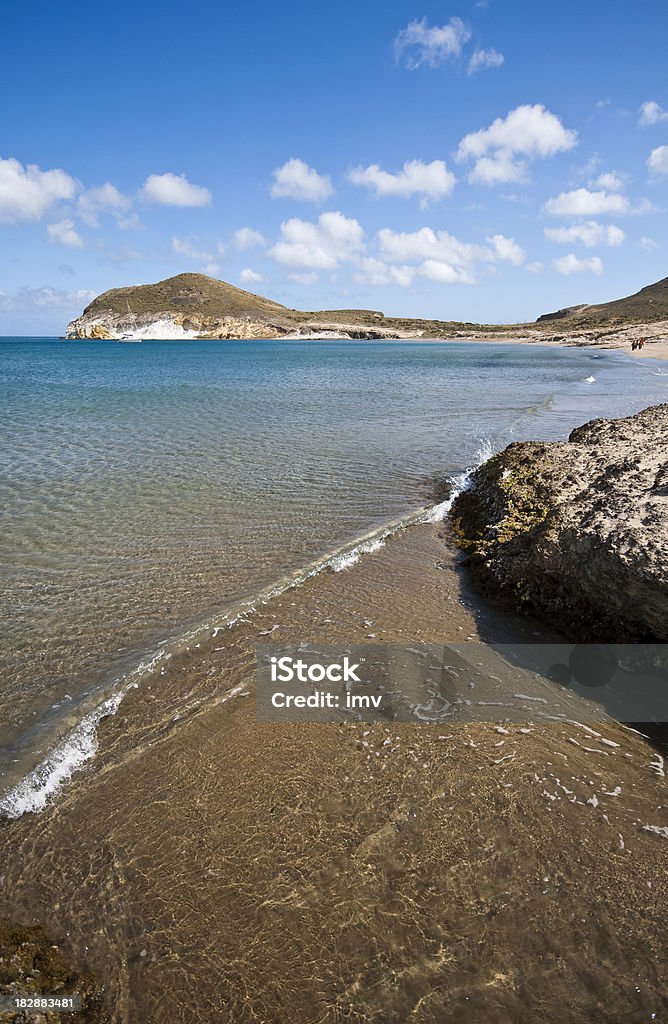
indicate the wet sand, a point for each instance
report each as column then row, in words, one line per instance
column 209, row 868
column 653, row 350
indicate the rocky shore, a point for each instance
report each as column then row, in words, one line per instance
column 576, row 532
column 32, row 965
column 196, row 306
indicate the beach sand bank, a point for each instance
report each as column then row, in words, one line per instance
column 209, row 868
column 654, row 350
column 655, row 347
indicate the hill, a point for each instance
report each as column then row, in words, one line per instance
column 186, row 293
column 193, row 305
column 196, row 306
column 647, row 305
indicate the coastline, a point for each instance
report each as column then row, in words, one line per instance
column 194, row 306
column 216, row 861
column 656, row 335
column 576, row 530
column 655, row 350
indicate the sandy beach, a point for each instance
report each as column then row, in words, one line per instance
column 220, row 869
column 654, row 350
column 655, row 335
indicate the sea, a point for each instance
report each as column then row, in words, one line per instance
column 147, row 491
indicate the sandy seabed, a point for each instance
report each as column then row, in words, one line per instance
column 208, row 868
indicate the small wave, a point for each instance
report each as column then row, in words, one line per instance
column 345, row 561
column 33, row 792
column 460, row 483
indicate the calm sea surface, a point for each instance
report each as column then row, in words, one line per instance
column 145, row 488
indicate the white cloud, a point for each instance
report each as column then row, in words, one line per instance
column 248, row 276
column 128, row 222
column 63, row 233
column 610, row 182
column 514, row 197
column 435, row 255
column 429, row 244
column 651, row 113
column 658, row 160
column 445, row 273
column 27, row 193
column 322, row 245
column 431, row 181
column 183, row 247
column 497, row 169
column 507, row 249
column 207, row 260
column 103, row 199
column 174, row 190
column 26, row 300
column 445, row 248
column 590, row 233
column 482, row 60
column 376, row 272
column 534, row 268
column 296, row 180
column 247, row 238
column 581, row 202
column 307, row 278
column 419, row 43
column 572, row 265
column 648, row 244
column 501, row 151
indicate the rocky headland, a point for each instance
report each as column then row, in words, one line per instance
column 196, row 306
column 576, row 532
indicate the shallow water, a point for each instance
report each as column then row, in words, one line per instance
column 208, row 867
column 146, row 488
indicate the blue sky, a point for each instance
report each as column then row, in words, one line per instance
column 483, row 161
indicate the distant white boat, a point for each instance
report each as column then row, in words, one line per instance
column 130, row 336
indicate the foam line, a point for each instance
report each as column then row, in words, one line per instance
column 34, row 792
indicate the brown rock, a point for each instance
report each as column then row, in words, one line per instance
column 577, row 532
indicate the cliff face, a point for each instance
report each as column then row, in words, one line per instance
column 166, row 324
column 577, row 532
column 195, row 306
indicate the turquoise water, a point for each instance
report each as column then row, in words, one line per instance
column 144, row 488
